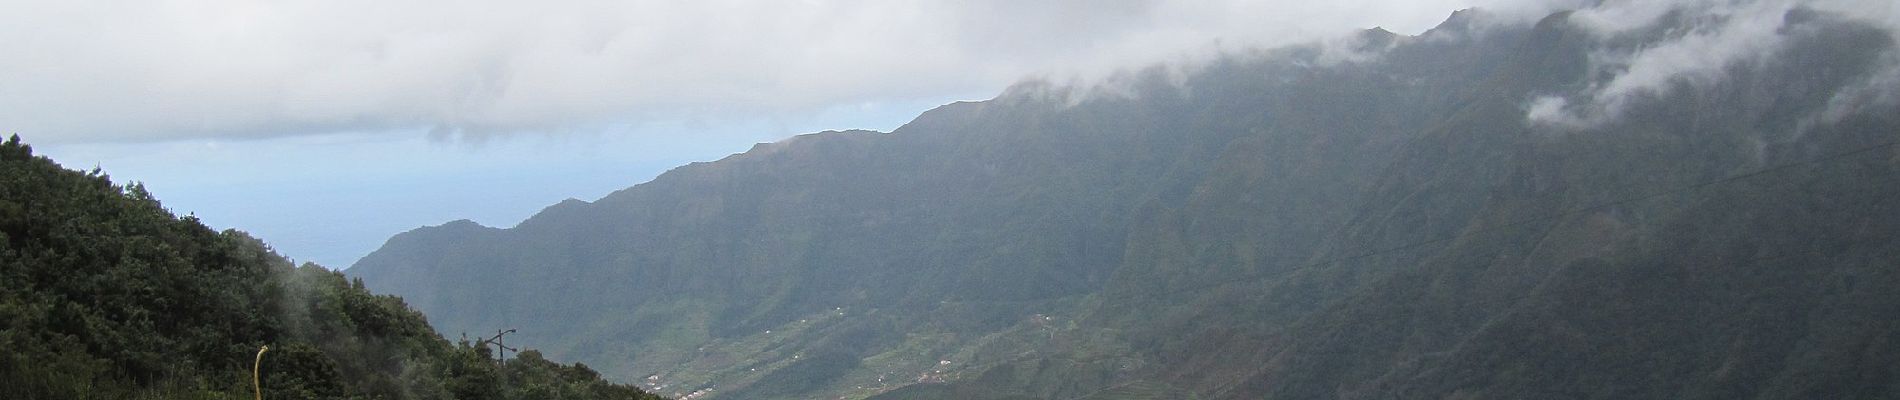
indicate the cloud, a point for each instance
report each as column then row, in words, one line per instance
column 95, row 70
column 1713, row 36
column 1879, row 89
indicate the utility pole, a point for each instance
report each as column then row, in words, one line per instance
column 501, row 353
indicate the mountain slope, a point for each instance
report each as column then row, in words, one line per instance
column 1643, row 258
column 1383, row 216
column 949, row 229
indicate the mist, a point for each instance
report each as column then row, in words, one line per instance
column 1721, row 34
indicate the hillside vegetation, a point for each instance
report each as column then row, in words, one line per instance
column 1380, row 217
column 104, row 294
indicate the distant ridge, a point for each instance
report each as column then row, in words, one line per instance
column 1465, row 213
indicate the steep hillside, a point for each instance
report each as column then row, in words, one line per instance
column 1701, row 246
column 107, row 295
column 955, row 227
column 1488, row 209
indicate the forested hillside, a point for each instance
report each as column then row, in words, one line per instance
column 1490, row 209
column 104, row 294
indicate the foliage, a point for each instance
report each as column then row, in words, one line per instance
column 109, row 296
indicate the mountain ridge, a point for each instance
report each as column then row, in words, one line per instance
column 1301, row 223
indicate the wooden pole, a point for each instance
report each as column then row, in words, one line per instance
column 501, row 351
column 501, row 354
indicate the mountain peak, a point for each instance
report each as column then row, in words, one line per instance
column 1375, row 39
column 1460, row 22
column 467, row 224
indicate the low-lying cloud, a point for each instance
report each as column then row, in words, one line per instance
column 1715, row 36
column 93, row 70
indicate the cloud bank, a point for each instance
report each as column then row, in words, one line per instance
column 95, row 70
column 1715, row 35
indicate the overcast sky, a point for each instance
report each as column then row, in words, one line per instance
column 114, row 70
column 326, row 126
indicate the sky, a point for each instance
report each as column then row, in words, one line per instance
column 324, row 127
